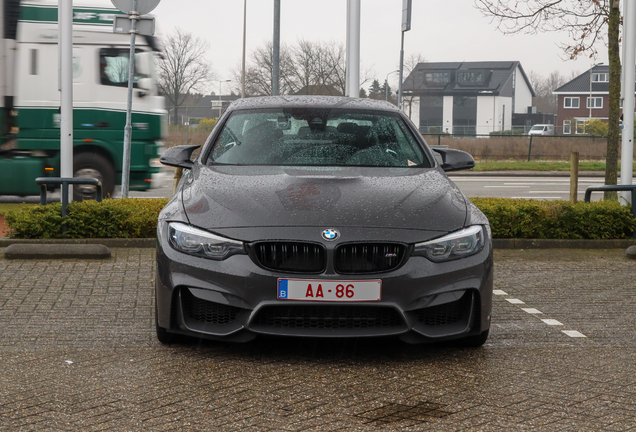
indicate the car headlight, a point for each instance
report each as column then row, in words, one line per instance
column 460, row 244
column 194, row 241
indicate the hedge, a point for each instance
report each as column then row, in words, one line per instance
column 542, row 219
column 509, row 218
column 112, row 218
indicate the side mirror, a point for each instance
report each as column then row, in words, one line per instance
column 179, row 156
column 453, row 160
column 143, row 63
column 145, row 84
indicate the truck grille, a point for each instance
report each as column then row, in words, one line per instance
column 293, row 257
column 328, row 317
column 356, row 258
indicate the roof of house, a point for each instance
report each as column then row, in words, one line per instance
column 495, row 76
column 205, row 110
column 581, row 84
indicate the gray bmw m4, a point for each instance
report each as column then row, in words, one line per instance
column 321, row 217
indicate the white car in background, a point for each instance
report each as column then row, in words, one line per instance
column 542, row 129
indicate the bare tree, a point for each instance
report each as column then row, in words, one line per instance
column 258, row 72
column 306, row 67
column 183, row 68
column 410, row 63
column 543, row 87
column 586, row 22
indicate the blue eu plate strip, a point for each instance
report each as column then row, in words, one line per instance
column 282, row 289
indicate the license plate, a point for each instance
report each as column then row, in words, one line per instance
column 329, row 290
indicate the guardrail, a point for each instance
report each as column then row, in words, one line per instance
column 65, row 181
column 614, row 188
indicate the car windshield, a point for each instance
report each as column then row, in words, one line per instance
column 310, row 136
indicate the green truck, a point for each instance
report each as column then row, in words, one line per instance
column 30, row 99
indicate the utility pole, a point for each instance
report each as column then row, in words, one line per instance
column 406, row 26
column 276, row 51
column 65, row 22
column 629, row 70
column 244, row 36
column 352, row 82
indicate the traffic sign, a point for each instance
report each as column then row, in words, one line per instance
column 145, row 25
column 143, row 6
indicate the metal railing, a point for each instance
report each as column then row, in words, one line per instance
column 614, row 188
column 65, row 181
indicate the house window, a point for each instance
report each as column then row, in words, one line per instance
column 600, row 77
column 473, row 77
column 571, row 102
column 34, row 62
column 595, row 102
column 567, row 127
column 580, row 127
column 437, row 77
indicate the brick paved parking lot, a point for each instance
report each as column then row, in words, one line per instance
column 78, row 353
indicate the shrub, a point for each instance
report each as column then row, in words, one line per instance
column 519, row 218
column 120, row 218
column 509, row 218
column 206, row 125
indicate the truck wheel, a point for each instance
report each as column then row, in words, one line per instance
column 93, row 165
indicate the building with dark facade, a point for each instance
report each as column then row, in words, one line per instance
column 466, row 97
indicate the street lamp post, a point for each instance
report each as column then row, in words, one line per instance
column 386, row 84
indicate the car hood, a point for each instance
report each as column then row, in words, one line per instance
column 222, row 197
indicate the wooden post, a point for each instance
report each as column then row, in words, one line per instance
column 574, row 176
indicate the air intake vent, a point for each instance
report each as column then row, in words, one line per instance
column 446, row 314
column 290, row 256
column 356, row 258
column 328, row 317
column 207, row 311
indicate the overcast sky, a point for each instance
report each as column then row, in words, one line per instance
column 447, row 30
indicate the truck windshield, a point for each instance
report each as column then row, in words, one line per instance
column 317, row 136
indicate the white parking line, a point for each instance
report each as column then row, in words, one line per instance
column 514, row 301
column 551, row 322
column 533, row 311
column 574, row 333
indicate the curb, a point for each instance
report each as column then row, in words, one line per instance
column 54, row 251
column 110, row 243
column 562, row 244
column 496, row 243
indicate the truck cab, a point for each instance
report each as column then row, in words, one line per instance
column 100, row 81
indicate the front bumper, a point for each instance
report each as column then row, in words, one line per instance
column 236, row 300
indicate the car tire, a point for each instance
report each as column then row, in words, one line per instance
column 93, row 165
column 473, row 341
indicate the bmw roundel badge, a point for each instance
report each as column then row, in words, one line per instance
column 330, row 234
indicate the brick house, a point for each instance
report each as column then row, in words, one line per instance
column 584, row 98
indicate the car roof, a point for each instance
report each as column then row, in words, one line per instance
column 311, row 101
